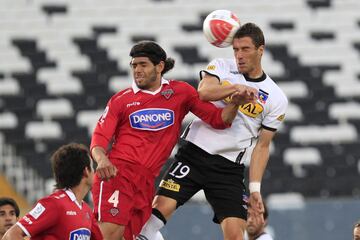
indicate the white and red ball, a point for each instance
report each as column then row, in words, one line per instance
column 220, row 26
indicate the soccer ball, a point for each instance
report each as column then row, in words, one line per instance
column 220, row 26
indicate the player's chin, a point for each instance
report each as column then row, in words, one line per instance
column 251, row 230
column 242, row 68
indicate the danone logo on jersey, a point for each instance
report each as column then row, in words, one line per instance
column 80, row 234
column 152, row 119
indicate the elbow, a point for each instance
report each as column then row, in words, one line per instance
column 203, row 95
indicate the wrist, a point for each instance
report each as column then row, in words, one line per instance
column 254, row 187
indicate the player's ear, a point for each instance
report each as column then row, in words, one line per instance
column 160, row 67
column 261, row 49
column 86, row 172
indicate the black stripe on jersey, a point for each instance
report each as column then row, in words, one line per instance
column 259, row 79
column 268, row 128
column 204, row 71
column 186, row 131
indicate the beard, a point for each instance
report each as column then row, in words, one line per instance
column 148, row 81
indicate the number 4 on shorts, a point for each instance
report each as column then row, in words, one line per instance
column 114, row 199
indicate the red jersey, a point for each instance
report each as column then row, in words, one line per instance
column 145, row 126
column 59, row 216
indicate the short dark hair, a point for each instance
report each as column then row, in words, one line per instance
column 10, row 201
column 154, row 52
column 68, row 163
column 253, row 31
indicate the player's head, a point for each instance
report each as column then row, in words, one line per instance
column 149, row 62
column 255, row 227
column 248, row 46
column 356, row 231
column 9, row 214
column 71, row 163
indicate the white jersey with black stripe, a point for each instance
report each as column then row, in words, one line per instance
column 236, row 143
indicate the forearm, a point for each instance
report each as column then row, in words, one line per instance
column 229, row 113
column 258, row 163
column 14, row 233
column 215, row 92
column 98, row 153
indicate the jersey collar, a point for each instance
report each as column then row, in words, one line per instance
column 72, row 197
column 259, row 79
column 136, row 89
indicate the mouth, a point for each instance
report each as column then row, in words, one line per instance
column 139, row 78
column 242, row 64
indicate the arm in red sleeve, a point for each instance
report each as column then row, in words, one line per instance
column 206, row 111
column 42, row 217
column 105, row 127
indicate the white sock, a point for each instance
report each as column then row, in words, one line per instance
column 151, row 229
column 159, row 236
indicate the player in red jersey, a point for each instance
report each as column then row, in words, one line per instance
column 63, row 214
column 143, row 123
column 9, row 214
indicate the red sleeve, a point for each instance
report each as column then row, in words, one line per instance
column 42, row 217
column 206, row 111
column 106, row 125
column 95, row 230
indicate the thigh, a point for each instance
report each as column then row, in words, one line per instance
column 111, row 205
column 184, row 177
column 225, row 190
column 111, row 230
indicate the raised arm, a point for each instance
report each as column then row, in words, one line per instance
column 210, row 89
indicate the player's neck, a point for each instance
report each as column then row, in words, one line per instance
column 256, row 73
column 155, row 87
column 80, row 192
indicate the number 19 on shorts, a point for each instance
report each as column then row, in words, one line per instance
column 180, row 170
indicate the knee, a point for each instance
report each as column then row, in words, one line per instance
column 233, row 228
column 237, row 234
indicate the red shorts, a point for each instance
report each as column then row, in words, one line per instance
column 125, row 199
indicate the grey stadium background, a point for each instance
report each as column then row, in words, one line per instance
column 60, row 60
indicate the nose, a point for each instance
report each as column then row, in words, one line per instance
column 239, row 55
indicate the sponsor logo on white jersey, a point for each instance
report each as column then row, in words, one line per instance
column 152, row 119
column 37, row 211
column 80, row 234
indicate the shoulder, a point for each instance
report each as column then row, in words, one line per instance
column 123, row 93
column 277, row 91
column 220, row 63
column 45, row 204
column 180, row 85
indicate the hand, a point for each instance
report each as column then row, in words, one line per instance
column 105, row 169
column 256, row 208
column 256, row 203
column 244, row 94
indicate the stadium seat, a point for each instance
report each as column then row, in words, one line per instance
column 61, row 61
